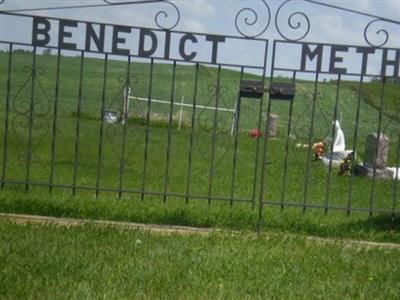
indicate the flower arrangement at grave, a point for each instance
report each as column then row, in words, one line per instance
column 319, row 150
column 347, row 165
column 255, row 133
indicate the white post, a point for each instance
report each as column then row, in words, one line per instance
column 127, row 103
column 180, row 113
column 125, row 106
column 234, row 118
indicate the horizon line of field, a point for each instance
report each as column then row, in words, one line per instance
column 230, row 66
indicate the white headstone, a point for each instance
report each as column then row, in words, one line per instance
column 339, row 143
column 339, row 147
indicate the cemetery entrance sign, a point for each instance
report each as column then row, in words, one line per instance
column 69, row 121
column 41, row 37
column 96, row 42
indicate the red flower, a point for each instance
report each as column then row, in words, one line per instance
column 255, row 133
column 319, row 149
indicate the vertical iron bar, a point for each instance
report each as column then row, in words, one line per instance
column 253, row 196
column 146, row 145
column 31, row 109
column 286, row 163
column 125, row 119
column 170, row 124
column 214, row 135
column 311, row 135
column 78, row 123
column 101, row 134
column 193, row 124
column 382, row 97
column 55, row 115
column 396, row 180
column 236, row 140
column 7, row 113
column 264, row 167
column 328, row 185
column 350, row 196
column 264, row 158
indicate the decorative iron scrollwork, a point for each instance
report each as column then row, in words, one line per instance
column 113, row 2
column 250, row 21
column 41, row 107
column 382, row 33
column 114, row 131
column 161, row 16
column 164, row 18
column 206, row 120
column 297, row 21
column 248, row 18
column 205, row 126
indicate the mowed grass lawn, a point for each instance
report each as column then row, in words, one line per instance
column 43, row 262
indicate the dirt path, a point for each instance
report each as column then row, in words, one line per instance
column 171, row 229
column 64, row 222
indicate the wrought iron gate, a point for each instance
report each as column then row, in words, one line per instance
column 157, row 111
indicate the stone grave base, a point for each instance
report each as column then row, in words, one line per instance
column 336, row 158
column 380, row 173
column 395, row 172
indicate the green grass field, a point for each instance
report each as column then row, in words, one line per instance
column 200, row 183
column 371, row 94
column 90, row 262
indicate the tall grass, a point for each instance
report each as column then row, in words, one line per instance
column 89, row 262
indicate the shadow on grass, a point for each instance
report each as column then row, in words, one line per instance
column 382, row 228
column 384, row 222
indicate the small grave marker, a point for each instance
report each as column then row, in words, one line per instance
column 376, row 156
column 272, row 125
column 371, row 145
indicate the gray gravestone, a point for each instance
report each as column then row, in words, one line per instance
column 376, row 151
column 272, row 125
column 376, row 156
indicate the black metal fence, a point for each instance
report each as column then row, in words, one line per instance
column 171, row 121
